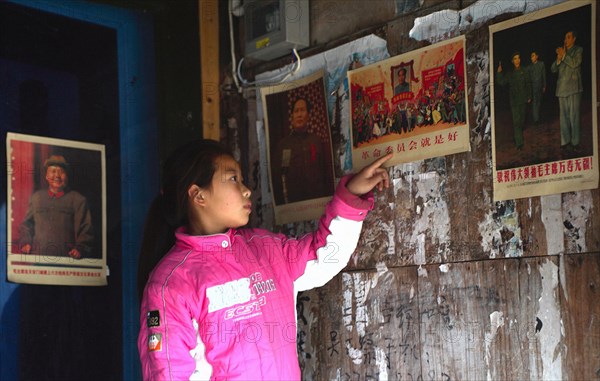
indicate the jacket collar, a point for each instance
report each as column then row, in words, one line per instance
column 213, row 242
column 55, row 195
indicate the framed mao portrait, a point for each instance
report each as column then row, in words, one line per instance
column 56, row 206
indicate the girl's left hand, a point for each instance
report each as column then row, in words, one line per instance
column 369, row 177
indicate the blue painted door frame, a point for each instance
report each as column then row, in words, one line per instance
column 139, row 165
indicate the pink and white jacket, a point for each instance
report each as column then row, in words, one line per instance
column 222, row 307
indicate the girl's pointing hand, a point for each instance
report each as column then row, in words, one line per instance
column 369, row 177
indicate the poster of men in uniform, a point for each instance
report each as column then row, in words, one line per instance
column 543, row 97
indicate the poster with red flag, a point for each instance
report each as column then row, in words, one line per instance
column 412, row 104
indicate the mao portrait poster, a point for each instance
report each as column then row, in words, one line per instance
column 543, row 97
column 299, row 148
column 56, row 211
column 414, row 105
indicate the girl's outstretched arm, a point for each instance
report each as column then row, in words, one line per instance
column 370, row 177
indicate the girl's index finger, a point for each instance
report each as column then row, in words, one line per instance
column 379, row 162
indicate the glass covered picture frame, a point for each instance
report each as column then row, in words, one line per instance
column 56, row 233
column 537, row 147
column 413, row 105
column 299, row 147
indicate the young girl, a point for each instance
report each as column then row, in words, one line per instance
column 220, row 305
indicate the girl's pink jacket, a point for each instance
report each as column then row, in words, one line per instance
column 222, row 307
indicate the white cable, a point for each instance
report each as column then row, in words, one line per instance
column 272, row 81
column 232, row 43
column 237, row 8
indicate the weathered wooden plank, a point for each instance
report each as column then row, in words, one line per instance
column 494, row 319
column 593, row 224
column 308, row 314
column 577, row 210
column 580, row 292
column 209, row 57
column 377, row 241
column 533, row 231
column 366, row 327
column 451, row 332
column 478, row 319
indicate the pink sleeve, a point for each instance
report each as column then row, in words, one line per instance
column 343, row 204
column 347, row 205
column 167, row 334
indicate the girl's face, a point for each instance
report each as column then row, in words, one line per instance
column 227, row 202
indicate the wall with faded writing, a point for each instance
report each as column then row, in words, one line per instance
column 445, row 283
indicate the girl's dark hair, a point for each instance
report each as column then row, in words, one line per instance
column 192, row 163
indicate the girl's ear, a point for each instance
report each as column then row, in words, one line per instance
column 196, row 195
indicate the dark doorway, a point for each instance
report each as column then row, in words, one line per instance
column 59, row 78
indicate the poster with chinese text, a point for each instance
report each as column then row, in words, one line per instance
column 543, row 97
column 299, row 148
column 56, row 211
column 412, row 104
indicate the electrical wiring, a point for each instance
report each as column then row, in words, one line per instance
column 275, row 80
column 236, row 68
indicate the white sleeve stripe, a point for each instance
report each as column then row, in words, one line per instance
column 333, row 256
column 203, row 369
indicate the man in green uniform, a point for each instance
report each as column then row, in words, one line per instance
column 569, row 90
column 537, row 72
column 519, row 90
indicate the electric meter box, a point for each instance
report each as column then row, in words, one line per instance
column 274, row 27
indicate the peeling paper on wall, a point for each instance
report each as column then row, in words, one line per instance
column 347, row 300
column 433, row 220
column 356, row 355
column 549, row 314
column 404, row 173
column 355, row 294
column 382, row 273
column 552, row 220
column 482, row 128
column 381, row 268
column 439, row 25
column 381, row 360
column 355, row 290
column 576, row 212
column 496, row 321
column 492, row 228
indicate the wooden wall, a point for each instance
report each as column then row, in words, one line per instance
column 445, row 283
